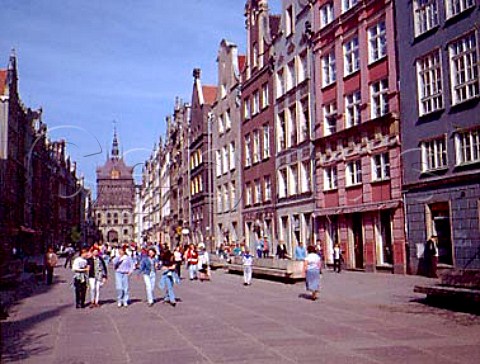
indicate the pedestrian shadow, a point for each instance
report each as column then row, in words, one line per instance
column 17, row 344
column 305, row 296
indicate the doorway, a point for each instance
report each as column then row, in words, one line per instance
column 357, row 234
column 440, row 226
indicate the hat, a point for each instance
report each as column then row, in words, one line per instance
column 201, row 246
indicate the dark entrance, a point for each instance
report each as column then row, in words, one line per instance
column 112, row 236
column 357, row 230
column 441, row 227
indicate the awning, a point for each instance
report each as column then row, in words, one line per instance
column 341, row 210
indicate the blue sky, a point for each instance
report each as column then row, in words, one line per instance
column 88, row 63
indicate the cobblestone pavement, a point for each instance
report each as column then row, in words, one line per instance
column 359, row 318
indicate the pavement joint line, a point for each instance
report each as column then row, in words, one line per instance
column 119, row 335
column 179, row 332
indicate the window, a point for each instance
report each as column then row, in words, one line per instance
column 352, row 109
column 380, row 167
column 379, row 98
column 302, row 67
column 293, row 180
column 232, row 156
column 218, row 163
column 282, row 131
column 257, row 197
column 304, row 122
column 464, row 68
column 377, row 42
column 434, row 154
column 282, row 183
column 292, row 113
column 255, row 55
column 291, row 78
column 256, row 146
column 329, row 74
column 267, row 188
column 233, row 199
column 248, row 201
column 266, row 142
column 256, row 103
column 305, row 177
column 226, row 198
column 228, row 120
column 225, row 159
column 467, row 146
column 455, row 7
column 354, row 173
column 246, row 109
column 280, row 83
column 221, row 125
column 425, row 13
column 219, row 200
column 330, row 178
column 248, row 155
column 326, row 14
column 429, row 79
column 330, row 118
column 289, row 21
column 265, row 96
column 348, row 4
column 351, row 55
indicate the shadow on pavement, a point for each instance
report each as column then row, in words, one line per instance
column 450, row 304
column 16, row 345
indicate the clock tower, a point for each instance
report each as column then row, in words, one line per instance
column 115, row 201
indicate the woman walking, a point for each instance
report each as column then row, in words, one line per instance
column 312, row 267
column 97, row 275
column 169, row 276
column 124, row 267
column 148, row 269
column 203, row 264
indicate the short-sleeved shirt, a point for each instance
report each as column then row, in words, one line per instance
column 313, row 261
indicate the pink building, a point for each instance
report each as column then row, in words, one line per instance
column 358, row 169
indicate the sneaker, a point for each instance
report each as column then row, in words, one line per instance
column 125, row 305
column 173, row 304
column 119, row 304
column 150, row 304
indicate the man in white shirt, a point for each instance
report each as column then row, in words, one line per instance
column 80, row 269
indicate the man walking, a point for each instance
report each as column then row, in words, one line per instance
column 51, row 261
column 69, row 253
column 80, row 272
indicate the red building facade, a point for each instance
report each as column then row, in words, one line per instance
column 257, row 130
column 358, row 169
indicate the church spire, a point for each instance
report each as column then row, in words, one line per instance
column 115, row 150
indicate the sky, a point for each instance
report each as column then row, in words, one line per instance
column 90, row 63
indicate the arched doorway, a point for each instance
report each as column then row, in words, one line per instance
column 112, row 236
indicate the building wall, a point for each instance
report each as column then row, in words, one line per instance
column 362, row 212
column 227, row 161
column 442, row 188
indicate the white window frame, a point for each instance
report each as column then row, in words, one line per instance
column 221, row 125
column 354, row 173
column 425, row 15
column 292, row 125
column 281, row 131
column 257, row 196
column 266, row 142
column 377, row 42
column 265, row 101
column 291, row 78
column 233, row 197
column 461, row 6
column 467, row 147
column 330, row 178
column 380, row 167
column 353, row 114
column 267, row 188
column 256, row 103
column 232, row 156
column 218, row 157
column 228, row 120
column 351, row 56
column 256, row 146
column 248, row 151
column 434, row 154
column 246, row 109
column 289, row 20
column 305, row 177
column 282, row 183
column 280, row 82
column 330, row 118
column 379, row 98
column 464, row 64
column 348, row 4
column 302, row 67
column 292, row 178
column 248, row 197
column 327, row 14
column 225, row 160
column 329, row 72
column 430, row 83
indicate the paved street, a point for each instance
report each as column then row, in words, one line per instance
column 359, row 318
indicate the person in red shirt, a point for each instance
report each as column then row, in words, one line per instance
column 191, row 256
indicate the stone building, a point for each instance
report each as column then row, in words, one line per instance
column 200, row 163
column 226, row 142
column 293, row 113
column 114, row 206
column 42, row 201
column 358, row 172
column 438, row 48
column 257, row 130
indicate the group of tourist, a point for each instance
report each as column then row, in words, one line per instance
column 90, row 269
